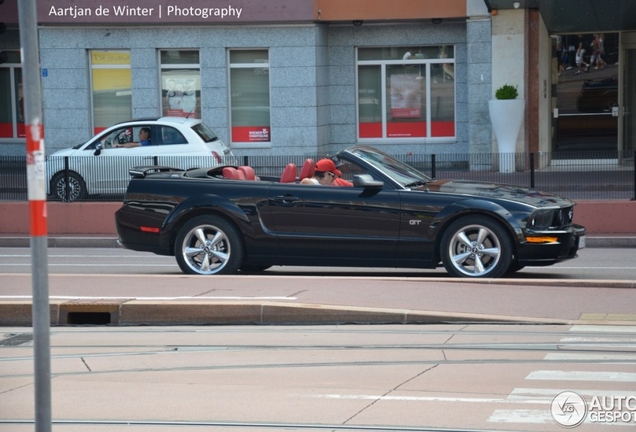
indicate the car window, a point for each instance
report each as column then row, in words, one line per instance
column 170, row 135
column 204, row 132
column 122, row 135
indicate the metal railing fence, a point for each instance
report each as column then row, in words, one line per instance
column 576, row 176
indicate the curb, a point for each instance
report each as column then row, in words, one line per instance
column 134, row 313
column 595, row 241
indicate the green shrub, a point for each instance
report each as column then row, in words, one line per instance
column 506, row 91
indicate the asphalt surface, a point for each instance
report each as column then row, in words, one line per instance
column 309, row 300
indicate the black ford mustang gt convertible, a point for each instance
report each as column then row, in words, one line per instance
column 225, row 219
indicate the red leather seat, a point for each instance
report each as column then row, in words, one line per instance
column 248, row 172
column 230, row 173
column 289, row 175
column 308, row 169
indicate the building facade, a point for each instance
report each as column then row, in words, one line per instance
column 310, row 77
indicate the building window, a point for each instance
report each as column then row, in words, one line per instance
column 180, row 83
column 249, row 98
column 112, row 88
column 11, row 101
column 406, row 92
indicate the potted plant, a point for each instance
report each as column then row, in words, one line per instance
column 506, row 114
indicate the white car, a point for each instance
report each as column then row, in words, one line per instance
column 101, row 165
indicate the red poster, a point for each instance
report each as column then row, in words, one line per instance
column 251, row 134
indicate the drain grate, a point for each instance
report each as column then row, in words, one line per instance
column 88, row 318
column 16, row 340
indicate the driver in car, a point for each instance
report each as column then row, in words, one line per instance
column 144, row 139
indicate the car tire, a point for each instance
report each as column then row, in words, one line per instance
column 77, row 187
column 209, row 245
column 476, row 247
column 514, row 268
column 254, row 268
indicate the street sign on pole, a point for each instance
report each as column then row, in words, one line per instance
column 36, row 184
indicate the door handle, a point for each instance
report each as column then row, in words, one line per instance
column 285, row 198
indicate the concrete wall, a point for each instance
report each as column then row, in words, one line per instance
column 97, row 219
column 509, row 59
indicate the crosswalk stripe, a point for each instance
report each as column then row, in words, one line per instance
column 555, row 375
column 603, row 329
column 544, row 396
column 536, row 417
column 586, row 356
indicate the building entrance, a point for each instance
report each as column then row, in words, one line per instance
column 628, row 111
column 586, row 117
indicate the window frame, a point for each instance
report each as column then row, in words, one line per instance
column 426, row 65
column 107, row 66
column 190, row 67
column 18, row 131
column 248, row 144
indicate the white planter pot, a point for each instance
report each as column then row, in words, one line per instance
column 506, row 117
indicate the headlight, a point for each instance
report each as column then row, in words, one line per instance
column 541, row 219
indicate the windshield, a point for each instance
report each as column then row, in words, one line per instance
column 402, row 173
column 205, row 132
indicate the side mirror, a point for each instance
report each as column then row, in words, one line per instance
column 98, row 149
column 366, row 181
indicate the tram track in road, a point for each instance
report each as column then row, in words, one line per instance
column 559, row 347
column 237, row 426
column 305, row 378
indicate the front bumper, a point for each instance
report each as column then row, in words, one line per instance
column 567, row 244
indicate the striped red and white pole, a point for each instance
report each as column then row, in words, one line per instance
column 36, row 179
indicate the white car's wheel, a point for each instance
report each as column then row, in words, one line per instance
column 209, row 245
column 76, row 189
column 476, row 247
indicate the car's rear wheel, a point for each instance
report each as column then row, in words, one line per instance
column 209, row 245
column 254, row 268
column 76, row 189
column 476, row 247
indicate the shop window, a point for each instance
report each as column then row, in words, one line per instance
column 180, row 83
column 111, row 83
column 249, row 98
column 11, row 101
column 406, row 92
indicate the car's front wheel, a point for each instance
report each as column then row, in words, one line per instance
column 476, row 247
column 76, row 187
column 209, row 245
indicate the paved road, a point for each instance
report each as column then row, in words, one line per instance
column 336, row 378
column 592, row 264
column 101, row 287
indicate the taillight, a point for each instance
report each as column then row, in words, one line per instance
column 216, row 156
column 149, row 229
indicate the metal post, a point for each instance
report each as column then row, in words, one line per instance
column 634, row 160
column 532, row 180
column 433, row 167
column 36, row 183
column 67, row 180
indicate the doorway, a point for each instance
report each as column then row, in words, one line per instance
column 586, row 117
column 628, row 99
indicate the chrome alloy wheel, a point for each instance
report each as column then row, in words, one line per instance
column 209, row 245
column 475, row 250
column 206, row 249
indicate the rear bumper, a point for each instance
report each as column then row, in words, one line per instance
column 542, row 254
column 131, row 236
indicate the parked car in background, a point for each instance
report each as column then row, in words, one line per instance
column 224, row 219
column 101, row 165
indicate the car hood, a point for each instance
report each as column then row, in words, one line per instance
column 64, row 152
column 499, row 191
